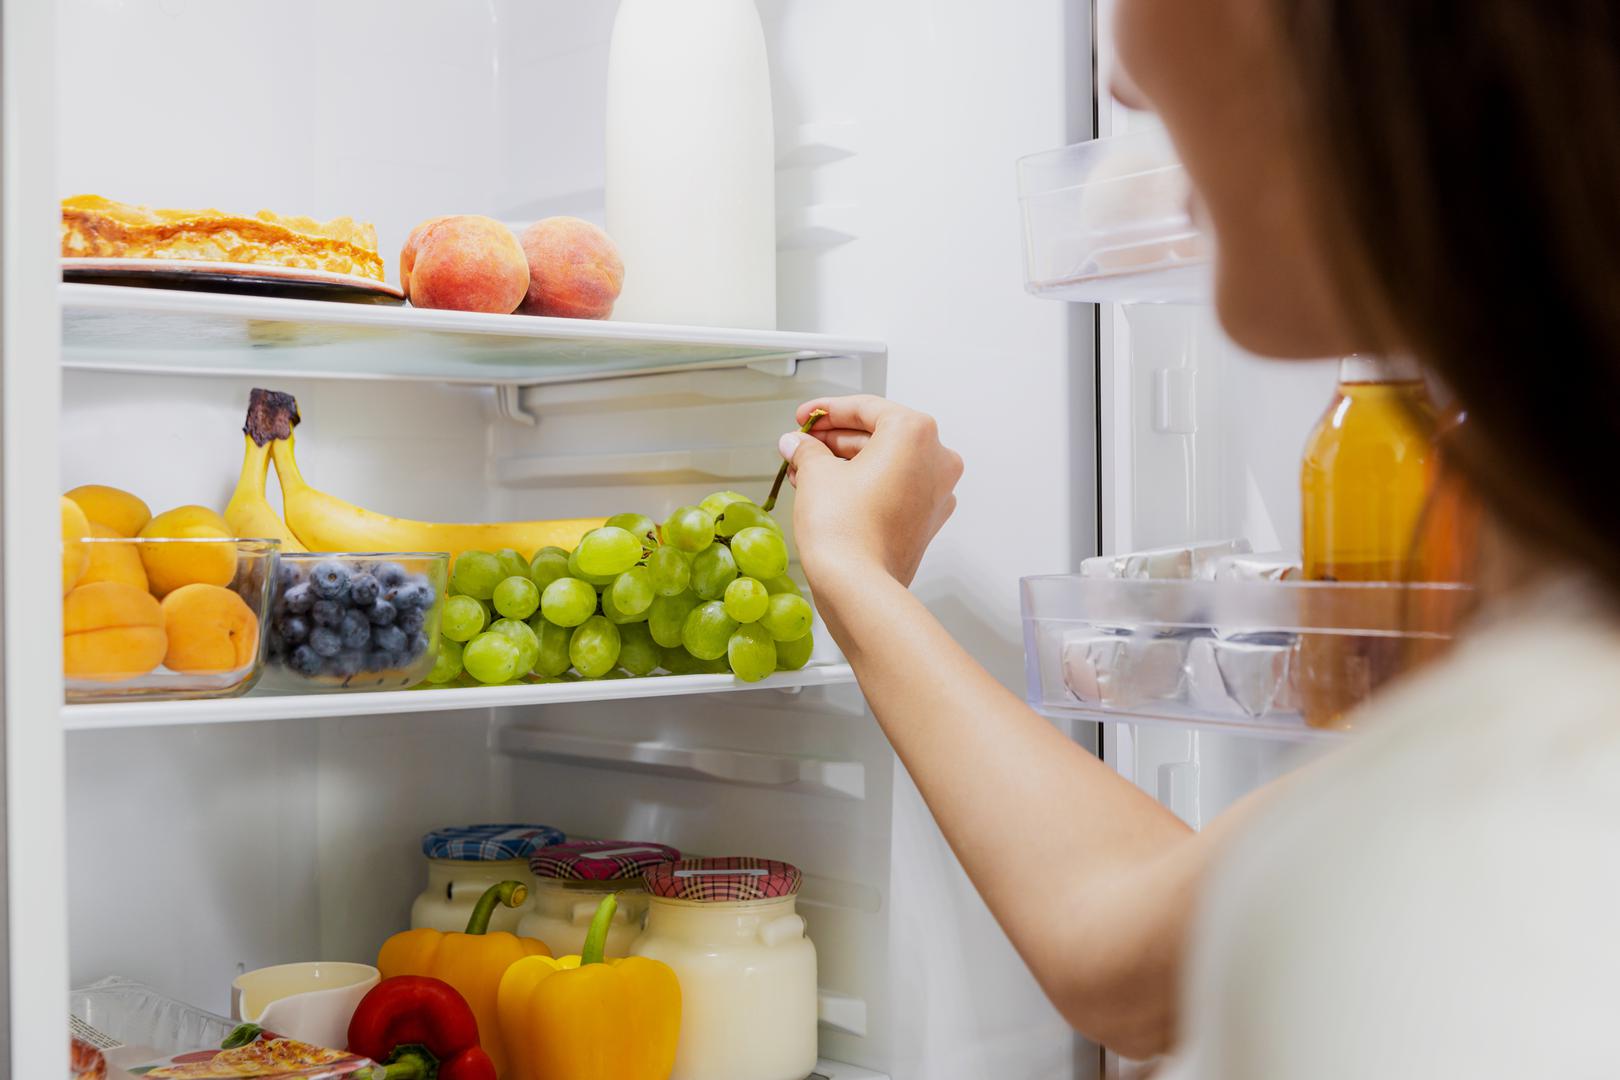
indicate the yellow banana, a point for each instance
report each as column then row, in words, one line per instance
column 249, row 513
column 323, row 522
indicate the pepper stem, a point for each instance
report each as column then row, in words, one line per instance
column 595, row 950
column 241, row 1035
column 510, row 893
column 407, row 1065
column 781, row 474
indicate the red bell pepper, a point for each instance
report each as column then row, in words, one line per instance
column 419, row 1029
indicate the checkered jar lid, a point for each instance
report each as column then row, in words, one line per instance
column 489, row 843
column 599, row 860
column 729, row 880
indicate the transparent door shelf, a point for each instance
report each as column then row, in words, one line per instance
column 264, row 706
column 1247, row 656
column 162, row 331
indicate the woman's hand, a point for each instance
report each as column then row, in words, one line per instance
column 874, row 486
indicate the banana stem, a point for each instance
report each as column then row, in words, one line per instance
column 781, row 474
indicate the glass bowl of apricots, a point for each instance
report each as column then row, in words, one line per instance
column 164, row 617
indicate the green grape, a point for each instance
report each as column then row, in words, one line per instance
column 568, row 601
column 516, row 598
column 521, row 635
column 667, row 617
column 638, row 653
column 722, row 499
column 743, row 515
column 677, row 661
column 463, row 618
column 752, row 653
column 746, row 600
column 512, row 564
column 707, row 630
column 642, row 527
column 608, row 551
column 671, row 570
column 594, row 648
column 476, row 575
column 689, row 528
column 783, row 584
column 788, row 618
column 491, row 658
column 632, row 591
column 793, row 655
column 760, row 553
column 575, row 570
column 554, row 640
column 713, row 569
column 617, row 615
column 447, row 665
column 548, row 564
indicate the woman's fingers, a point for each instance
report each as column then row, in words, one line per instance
column 845, row 442
column 862, row 412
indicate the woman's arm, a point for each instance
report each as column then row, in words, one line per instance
column 1103, row 930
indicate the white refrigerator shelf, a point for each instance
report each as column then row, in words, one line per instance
column 167, row 332
column 257, row 706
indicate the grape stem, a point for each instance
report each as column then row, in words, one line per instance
column 781, row 474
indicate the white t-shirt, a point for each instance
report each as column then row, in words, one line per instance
column 1441, row 899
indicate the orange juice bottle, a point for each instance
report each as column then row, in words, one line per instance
column 1365, row 484
column 1452, row 522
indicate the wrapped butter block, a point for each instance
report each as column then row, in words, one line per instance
column 1249, row 675
column 1256, row 566
column 1177, row 563
column 1119, row 671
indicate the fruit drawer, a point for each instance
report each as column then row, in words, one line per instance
column 1289, row 657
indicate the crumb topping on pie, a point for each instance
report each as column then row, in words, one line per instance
column 98, row 227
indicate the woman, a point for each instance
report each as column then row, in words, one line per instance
column 1439, row 178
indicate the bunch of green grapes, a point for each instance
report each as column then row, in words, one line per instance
column 705, row 592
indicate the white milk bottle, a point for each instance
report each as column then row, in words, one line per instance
column 691, row 163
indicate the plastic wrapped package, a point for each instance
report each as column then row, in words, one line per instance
column 1255, row 566
column 1119, row 671
column 135, row 1014
column 1251, row 675
column 1178, row 563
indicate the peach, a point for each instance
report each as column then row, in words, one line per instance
column 210, row 630
column 75, row 559
column 574, row 270
column 123, row 513
column 113, row 561
column 169, row 566
column 111, row 631
column 464, row 263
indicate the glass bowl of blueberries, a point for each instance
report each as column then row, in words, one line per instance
column 353, row 621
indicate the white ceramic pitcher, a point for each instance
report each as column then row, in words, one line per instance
column 312, row 1002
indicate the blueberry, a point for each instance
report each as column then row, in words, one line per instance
column 364, row 590
column 411, row 621
column 412, row 596
column 325, row 641
column 419, row 645
column 391, row 575
column 381, row 613
column 326, row 613
column 378, row 660
column 288, row 575
column 356, row 630
column 294, row 628
column 330, row 579
column 305, row 660
column 298, row 598
column 389, row 639
column 346, row 664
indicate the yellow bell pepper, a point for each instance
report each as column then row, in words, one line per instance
column 588, row 1018
column 472, row 962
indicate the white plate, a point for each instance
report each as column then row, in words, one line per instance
column 263, row 279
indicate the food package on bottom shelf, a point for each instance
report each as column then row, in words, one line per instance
column 266, row 1056
column 1250, row 675
column 1177, row 563
column 1123, row 670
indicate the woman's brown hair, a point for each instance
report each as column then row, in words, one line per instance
column 1467, row 161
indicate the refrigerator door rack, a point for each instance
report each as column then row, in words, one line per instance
column 1256, row 657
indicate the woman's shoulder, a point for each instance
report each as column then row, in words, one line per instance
column 1443, row 898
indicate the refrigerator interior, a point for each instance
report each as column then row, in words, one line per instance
column 196, row 851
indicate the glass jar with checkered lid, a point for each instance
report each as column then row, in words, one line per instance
column 730, row 930
column 570, row 881
column 465, row 860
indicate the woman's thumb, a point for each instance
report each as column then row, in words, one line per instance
column 800, row 449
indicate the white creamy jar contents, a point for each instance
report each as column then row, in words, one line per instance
column 570, row 881
column 465, row 860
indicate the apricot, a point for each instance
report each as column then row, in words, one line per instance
column 169, row 566
column 75, row 559
column 114, row 561
column 123, row 513
column 465, row 263
column 210, row 628
column 111, row 631
column 574, row 270
column 407, row 254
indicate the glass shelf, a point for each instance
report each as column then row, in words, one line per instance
column 162, row 331
column 1247, row 656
